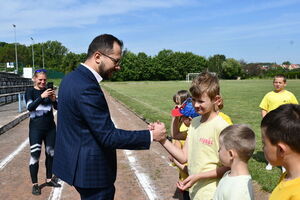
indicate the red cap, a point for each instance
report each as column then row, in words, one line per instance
column 176, row 112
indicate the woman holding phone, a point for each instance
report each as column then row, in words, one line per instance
column 40, row 102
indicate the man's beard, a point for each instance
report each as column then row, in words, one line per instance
column 104, row 73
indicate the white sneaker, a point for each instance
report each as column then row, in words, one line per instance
column 283, row 169
column 269, row 167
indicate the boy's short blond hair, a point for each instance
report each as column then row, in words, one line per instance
column 240, row 138
column 280, row 76
column 205, row 82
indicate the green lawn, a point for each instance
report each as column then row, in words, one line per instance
column 153, row 101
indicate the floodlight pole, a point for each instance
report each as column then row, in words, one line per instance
column 43, row 56
column 16, row 52
column 32, row 52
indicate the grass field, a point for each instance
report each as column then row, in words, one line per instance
column 153, row 101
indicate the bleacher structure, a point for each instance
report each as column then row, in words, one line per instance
column 11, row 85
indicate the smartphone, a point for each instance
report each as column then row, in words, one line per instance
column 50, row 85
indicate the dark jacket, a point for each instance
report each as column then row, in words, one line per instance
column 86, row 141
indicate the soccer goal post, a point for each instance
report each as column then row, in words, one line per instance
column 191, row 76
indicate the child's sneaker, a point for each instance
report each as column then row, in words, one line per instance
column 269, row 167
column 36, row 190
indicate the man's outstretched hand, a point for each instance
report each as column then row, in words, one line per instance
column 158, row 130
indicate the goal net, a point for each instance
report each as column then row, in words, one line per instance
column 191, row 76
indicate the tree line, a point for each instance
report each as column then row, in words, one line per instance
column 166, row 65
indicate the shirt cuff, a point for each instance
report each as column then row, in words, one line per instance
column 151, row 137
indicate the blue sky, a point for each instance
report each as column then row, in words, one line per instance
column 252, row 30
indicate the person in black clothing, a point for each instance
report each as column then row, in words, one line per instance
column 39, row 101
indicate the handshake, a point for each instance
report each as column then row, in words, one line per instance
column 158, row 131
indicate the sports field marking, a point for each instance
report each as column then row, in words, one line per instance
column 162, row 156
column 11, row 156
column 56, row 192
column 144, row 180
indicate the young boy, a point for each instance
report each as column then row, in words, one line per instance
column 278, row 97
column 274, row 99
column 202, row 144
column 237, row 143
column 281, row 145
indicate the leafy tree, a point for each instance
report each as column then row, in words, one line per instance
column 252, row 69
column 215, row 63
column 231, row 69
column 163, row 65
column 127, row 67
column 54, row 52
column 286, row 63
column 145, row 66
column 71, row 61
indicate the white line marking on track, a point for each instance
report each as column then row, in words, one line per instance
column 11, row 156
column 144, row 180
column 56, row 192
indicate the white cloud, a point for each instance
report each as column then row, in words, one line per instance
column 35, row 15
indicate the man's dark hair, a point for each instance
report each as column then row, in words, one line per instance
column 283, row 125
column 103, row 43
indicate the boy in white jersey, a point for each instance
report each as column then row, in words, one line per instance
column 237, row 143
column 202, row 144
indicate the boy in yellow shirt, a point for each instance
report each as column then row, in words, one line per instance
column 276, row 98
column 202, row 144
column 281, row 144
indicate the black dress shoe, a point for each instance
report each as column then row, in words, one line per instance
column 53, row 184
column 36, row 190
column 55, row 179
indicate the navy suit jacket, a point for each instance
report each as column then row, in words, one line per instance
column 86, row 140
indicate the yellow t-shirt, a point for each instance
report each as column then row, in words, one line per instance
column 203, row 139
column 273, row 100
column 225, row 117
column 286, row 190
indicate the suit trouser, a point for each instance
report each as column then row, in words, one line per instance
column 107, row 193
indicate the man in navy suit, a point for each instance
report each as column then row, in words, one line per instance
column 86, row 140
